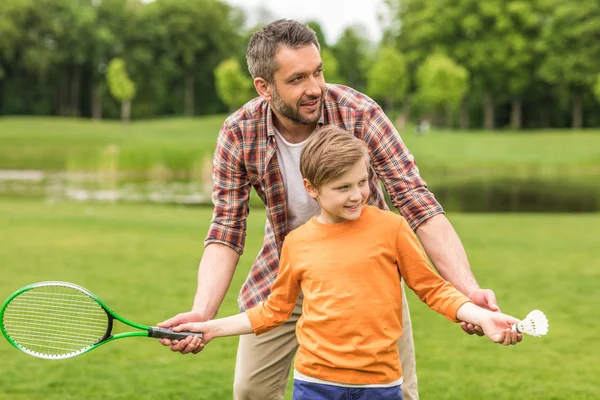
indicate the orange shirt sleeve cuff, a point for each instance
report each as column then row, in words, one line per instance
column 454, row 306
column 256, row 321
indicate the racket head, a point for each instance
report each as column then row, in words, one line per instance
column 54, row 320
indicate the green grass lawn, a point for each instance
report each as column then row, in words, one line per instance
column 142, row 261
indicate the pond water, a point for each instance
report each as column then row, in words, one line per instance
column 107, row 187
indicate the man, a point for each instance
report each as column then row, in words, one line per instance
column 259, row 145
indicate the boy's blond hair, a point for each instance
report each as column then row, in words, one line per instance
column 329, row 153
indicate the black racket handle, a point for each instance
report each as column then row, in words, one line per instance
column 166, row 333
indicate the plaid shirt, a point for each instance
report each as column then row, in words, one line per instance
column 245, row 157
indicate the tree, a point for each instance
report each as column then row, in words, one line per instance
column 233, row 86
column 195, row 35
column 121, row 86
column 331, row 67
column 352, row 53
column 596, row 88
column 442, row 84
column 388, row 79
column 569, row 41
column 493, row 39
column 316, row 26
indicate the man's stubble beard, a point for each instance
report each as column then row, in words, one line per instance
column 293, row 113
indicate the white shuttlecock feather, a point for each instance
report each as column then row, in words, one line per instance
column 534, row 324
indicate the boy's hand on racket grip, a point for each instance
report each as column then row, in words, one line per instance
column 190, row 344
column 167, row 333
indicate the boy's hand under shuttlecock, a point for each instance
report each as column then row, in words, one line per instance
column 498, row 327
column 495, row 325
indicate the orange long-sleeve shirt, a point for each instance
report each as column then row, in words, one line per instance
column 349, row 273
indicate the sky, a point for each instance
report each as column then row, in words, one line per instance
column 329, row 13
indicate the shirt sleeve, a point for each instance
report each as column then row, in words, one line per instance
column 281, row 302
column 432, row 289
column 396, row 167
column 231, row 190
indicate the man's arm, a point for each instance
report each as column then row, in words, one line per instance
column 214, row 277
column 215, row 273
column 396, row 167
column 446, row 252
column 226, row 237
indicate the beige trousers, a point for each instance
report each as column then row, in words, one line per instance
column 263, row 362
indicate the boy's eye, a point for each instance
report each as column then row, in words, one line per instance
column 343, row 187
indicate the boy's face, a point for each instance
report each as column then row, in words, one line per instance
column 343, row 198
column 299, row 86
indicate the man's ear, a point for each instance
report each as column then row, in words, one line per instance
column 310, row 189
column 263, row 88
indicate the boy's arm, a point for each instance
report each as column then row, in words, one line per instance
column 496, row 326
column 229, row 326
column 261, row 318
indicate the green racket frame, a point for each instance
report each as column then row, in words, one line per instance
column 145, row 330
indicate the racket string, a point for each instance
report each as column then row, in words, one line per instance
column 55, row 320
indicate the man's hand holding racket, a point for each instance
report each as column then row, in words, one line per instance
column 191, row 344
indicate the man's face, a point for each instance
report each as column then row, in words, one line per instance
column 298, row 85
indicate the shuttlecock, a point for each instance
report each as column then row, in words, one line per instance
column 534, row 324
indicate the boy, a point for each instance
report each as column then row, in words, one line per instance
column 348, row 261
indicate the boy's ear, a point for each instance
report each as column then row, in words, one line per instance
column 263, row 88
column 310, row 189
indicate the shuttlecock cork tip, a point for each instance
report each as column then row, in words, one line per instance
column 534, row 324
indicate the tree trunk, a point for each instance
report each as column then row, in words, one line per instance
column 189, row 95
column 74, row 96
column 577, row 111
column 97, row 101
column 126, row 111
column 464, row 114
column 516, row 114
column 544, row 117
column 488, row 118
column 62, row 95
column 449, row 116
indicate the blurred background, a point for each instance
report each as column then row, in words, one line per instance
column 109, row 113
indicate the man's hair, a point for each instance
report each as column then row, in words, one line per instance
column 260, row 54
column 330, row 153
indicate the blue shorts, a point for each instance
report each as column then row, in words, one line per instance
column 316, row 391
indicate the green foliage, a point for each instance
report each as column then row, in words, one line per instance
column 120, row 85
column 388, row 78
column 569, row 43
column 331, row 67
column 316, row 26
column 352, row 53
column 441, row 82
column 233, row 86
